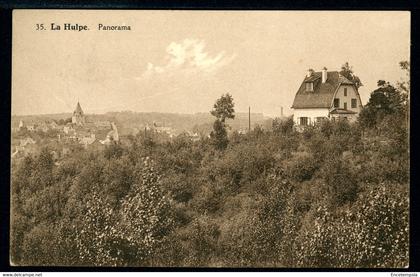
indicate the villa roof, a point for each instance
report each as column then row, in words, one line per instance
column 322, row 94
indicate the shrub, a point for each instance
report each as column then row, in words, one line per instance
column 302, row 167
column 372, row 233
column 283, row 126
column 130, row 234
column 341, row 181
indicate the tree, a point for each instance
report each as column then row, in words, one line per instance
column 385, row 100
column 219, row 135
column 405, row 84
column 145, row 216
column 340, row 180
column 64, row 121
column 281, row 126
column 372, row 232
column 129, row 233
column 347, row 71
column 224, row 108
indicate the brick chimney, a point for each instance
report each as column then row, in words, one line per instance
column 324, row 75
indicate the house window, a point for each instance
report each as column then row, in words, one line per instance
column 319, row 119
column 345, row 105
column 345, row 91
column 309, row 86
column 336, row 103
column 304, row 121
column 353, row 103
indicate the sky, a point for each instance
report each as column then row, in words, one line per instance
column 182, row 61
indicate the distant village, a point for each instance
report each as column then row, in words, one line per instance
column 62, row 136
column 65, row 136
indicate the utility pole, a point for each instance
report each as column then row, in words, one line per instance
column 249, row 119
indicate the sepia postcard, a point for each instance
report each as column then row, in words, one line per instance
column 215, row 139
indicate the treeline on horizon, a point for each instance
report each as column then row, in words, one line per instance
column 335, row 195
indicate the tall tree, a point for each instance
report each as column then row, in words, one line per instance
column 385, row 101
column 347, row 71
column 222, row 109
column 219, row 135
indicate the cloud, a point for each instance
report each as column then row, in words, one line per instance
column 189, row 56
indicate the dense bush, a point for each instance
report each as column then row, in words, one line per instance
column 373, row 232
column 301, row 167
column 335, row 195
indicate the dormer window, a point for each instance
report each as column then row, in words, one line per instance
column 309, row 86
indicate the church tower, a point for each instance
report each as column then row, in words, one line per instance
column 78, row 117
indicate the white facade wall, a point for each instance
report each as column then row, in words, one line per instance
column 351, row 94
column 311, row 114
column 346, row 101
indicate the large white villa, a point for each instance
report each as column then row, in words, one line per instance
column 325, row 95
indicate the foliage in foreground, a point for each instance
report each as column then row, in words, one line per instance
column 329, row 197
column 335, row 195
